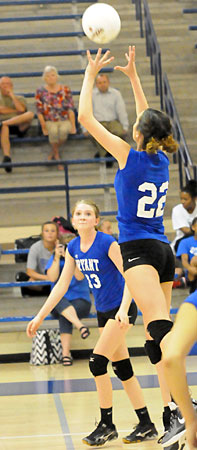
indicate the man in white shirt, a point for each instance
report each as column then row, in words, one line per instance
column 109, row 109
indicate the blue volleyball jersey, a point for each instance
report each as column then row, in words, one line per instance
column 192, row 299
column 105, row 280
column 187, row 246
column 141, row 189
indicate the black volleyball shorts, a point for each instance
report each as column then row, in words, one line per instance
column 103, row 317
column 152, row 252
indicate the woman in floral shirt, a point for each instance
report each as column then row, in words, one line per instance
column 55, row 109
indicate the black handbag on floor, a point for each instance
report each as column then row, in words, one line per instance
column 23, row 244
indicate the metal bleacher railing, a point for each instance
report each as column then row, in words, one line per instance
column 191, row 27
column 40, row 2
column 35, row 283
column 191, row 11
column 187, row 169
column 66, row 186
column 27, row 318
column 29, row 284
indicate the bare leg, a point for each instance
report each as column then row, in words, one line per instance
column 22, row 121
column 24, row 118
column 5, row 141
column 154, row 303
column 112, row 345
column 71, row 116
column 175, row 347
column 55, row 150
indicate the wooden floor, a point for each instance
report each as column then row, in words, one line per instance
column 52, row 407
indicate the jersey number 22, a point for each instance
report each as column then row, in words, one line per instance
column 149, row 200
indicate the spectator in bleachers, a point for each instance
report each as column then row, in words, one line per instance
column 14, row 117
column 55, row 108
column 38, row 256
column 106, row 227
column 110, row 110
column 182, row 216
column 184, row 213
column 76, row 302
column 187, row 251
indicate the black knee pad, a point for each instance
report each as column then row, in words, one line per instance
column 158, row 329
column 98, row 364
column 153, row 351
column 123, row 369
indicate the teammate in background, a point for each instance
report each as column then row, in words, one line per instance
column 179, row 343
column 187, row 251
column 105, row 226
column 184, row 213
column 97, row 255
column 76, row 303
column 141, row 185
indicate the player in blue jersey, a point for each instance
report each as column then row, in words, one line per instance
column 141, row 185
column 98, row 257
column 180, row 341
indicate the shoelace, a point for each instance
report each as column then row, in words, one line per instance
column 172, row 419
column 161, row 438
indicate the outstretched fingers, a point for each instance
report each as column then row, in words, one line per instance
column 100, row 60
column 130, row 57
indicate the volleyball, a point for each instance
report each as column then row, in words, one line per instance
column 101, row 23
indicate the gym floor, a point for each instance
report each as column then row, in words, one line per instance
column 54, row 407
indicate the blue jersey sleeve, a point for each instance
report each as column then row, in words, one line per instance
column 192, row 299
column 107, row 241
column 49, row 263
column 183, row 247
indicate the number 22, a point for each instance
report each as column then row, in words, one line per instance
column 149, row 200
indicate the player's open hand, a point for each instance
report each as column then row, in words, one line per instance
column 33, row 326
column 100, row 61
column 130, row 68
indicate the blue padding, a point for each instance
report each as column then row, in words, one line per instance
column 70, row 162
column 32, row 94
column 61, row 72
column 15, row 252
column 51, row 53
column 28, row 318
column 193, row 351
column 190, row 10
column 54, row 188
column 39, row 18
column 42, row 2
column 192, row 27
column 33, row 139
column 41, row 35
column 25, row 284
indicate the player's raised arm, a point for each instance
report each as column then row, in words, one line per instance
column 113, row 144
column 55, row 296
column 131, row 72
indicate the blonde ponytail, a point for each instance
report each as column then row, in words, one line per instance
column 169, row 144
column 152, row 146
